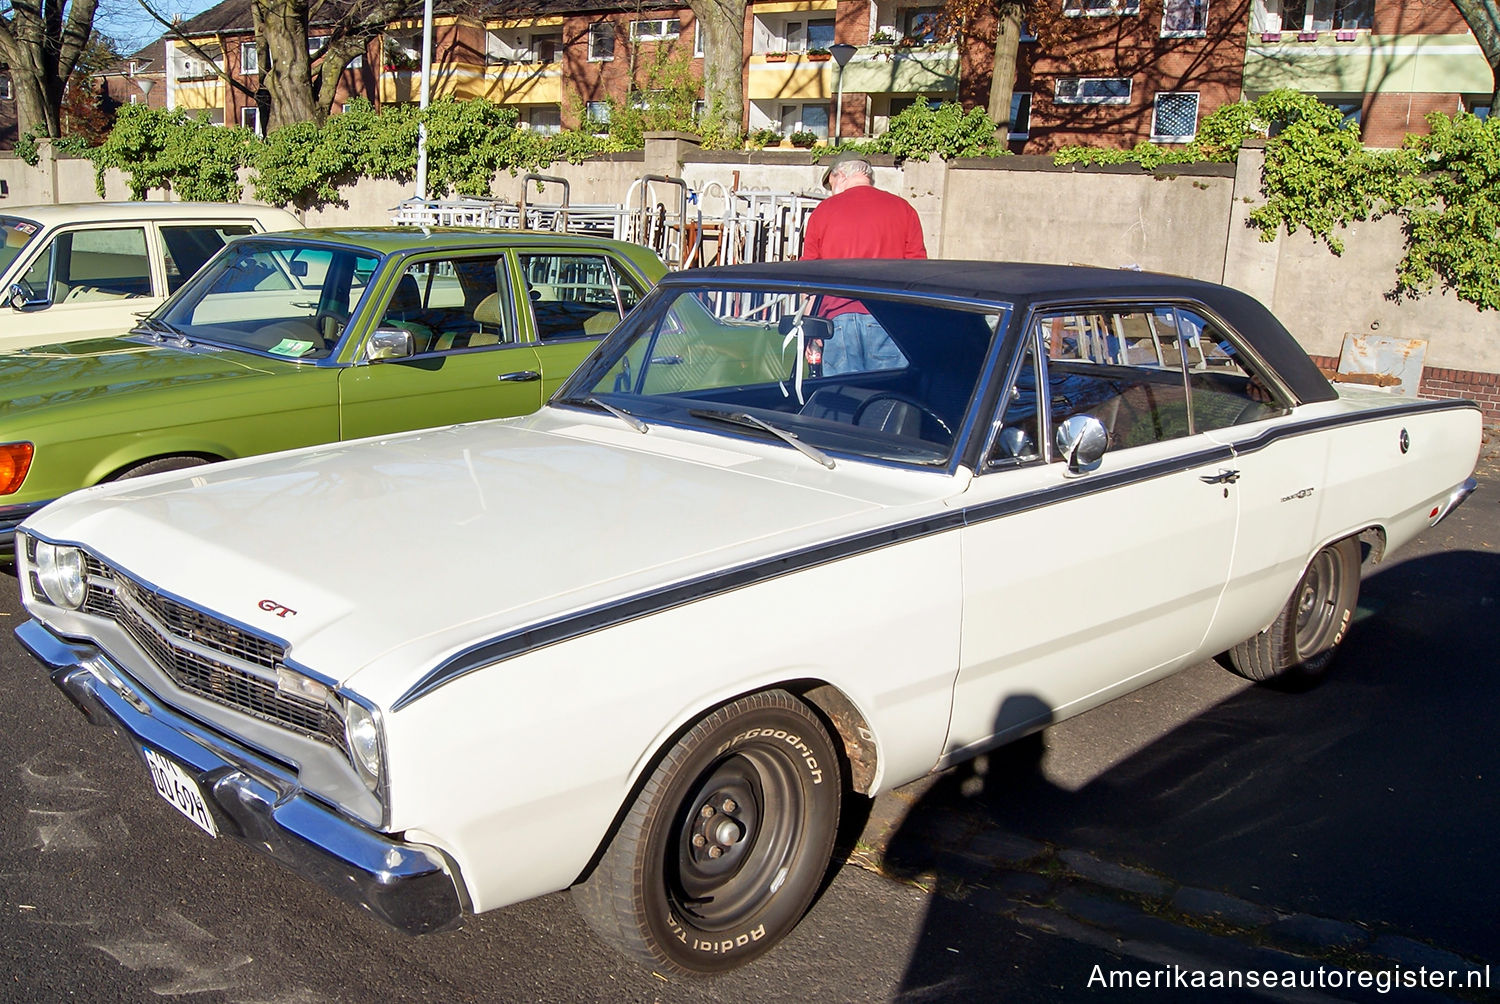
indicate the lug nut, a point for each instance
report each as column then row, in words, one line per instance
column 698, row 840
column 706, row 811
column 716, row 851
column 729, row 805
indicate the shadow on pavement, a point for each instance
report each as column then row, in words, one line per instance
column 1371, row 800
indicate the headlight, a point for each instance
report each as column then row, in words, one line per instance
column 59, row 571
column 362, row 733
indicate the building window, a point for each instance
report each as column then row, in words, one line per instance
column 601, row 41
column 1175, row 118
column 697, row 41
column 545, row 119
column 1020, row 115
column 1184, row 18
column 660, row 30
column 919, row 24
column 250, row 118
column 1100, row 8
column 356, row 63
column 5, row 92
column 809, row 117
column 598, row 113
column 1092, row 91
column 820, row 33
column 315, row 43
column 1311, row 15
column 249, row 58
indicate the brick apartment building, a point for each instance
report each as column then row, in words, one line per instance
column 1103, row 72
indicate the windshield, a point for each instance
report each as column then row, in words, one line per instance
column 18, row 233
column 840, row 372
column 280, row 297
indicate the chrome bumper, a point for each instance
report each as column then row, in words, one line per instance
column 12, row 516
column 254, row 800
column 1453, row 501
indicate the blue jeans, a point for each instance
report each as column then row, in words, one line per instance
column 859, row 345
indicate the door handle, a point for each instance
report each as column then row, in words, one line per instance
column 1224, row 477
column 519, row 376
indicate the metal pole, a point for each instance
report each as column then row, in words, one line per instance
column 842, row 53
column 422, row 100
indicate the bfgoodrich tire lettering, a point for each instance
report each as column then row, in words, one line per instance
column 727, row 842
column 1300, row 643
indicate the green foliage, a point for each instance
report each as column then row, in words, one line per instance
column 919, row 131
column 1318, row 177
column 804, row 139
column 759, row 138
column 192, row 157
column 1453, row 220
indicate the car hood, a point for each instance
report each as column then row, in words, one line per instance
column 59, row 375
column 382, row 557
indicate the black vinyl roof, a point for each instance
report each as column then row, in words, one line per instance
column 1029, row 284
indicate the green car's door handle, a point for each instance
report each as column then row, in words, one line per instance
column 519, row 376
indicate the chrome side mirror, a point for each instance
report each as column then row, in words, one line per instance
column 1081, row 441
column 389, row 343
column 23, row 297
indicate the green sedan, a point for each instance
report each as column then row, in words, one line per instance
column 290, row 339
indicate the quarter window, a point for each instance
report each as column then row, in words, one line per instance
column 577, row 295
column 1148, row 374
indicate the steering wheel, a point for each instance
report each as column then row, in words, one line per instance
column 890, row 395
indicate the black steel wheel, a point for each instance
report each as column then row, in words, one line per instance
column 1300, row 643
column 727, row 843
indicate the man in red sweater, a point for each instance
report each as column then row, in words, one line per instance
column 859, row 221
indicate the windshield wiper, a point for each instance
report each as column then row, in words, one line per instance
column 158, row 328
column 619, row 413
column 744, row 418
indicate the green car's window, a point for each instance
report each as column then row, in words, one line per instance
column 577, row 295
column 452, row 304
column 286, row 299
column 90, row 265
column 17, row 233
column 187, row 247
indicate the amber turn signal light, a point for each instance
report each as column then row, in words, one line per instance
column 15, row 461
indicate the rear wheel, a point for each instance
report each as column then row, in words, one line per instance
column 726, row 844
column 1300, row 643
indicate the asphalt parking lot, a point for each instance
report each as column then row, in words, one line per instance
column 1200, row 822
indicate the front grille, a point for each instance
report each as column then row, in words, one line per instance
column 207, row 656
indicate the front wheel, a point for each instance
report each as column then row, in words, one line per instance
column 727, row 842
column 1300, row 643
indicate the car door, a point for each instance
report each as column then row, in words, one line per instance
column 1080, row 586
column 84, row 281
column 572, row 300
column 471, row 358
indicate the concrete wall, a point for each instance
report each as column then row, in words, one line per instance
column 1186, row 220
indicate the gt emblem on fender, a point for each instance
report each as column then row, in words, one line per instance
column 271, row 606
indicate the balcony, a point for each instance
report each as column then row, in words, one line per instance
column 893, row 69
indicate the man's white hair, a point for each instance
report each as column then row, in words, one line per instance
column 853, row 167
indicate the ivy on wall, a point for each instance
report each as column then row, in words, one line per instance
column 304, row 165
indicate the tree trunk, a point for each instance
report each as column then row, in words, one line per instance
column 42, row 50
column 1483, row 17
column 723, row 25
column 1003, row 77
column 288, row 77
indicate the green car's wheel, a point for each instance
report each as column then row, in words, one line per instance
column 156, row 466
column 727, row 842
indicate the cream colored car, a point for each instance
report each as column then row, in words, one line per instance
column 91, row 269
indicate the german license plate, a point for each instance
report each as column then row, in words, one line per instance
column 180, row 791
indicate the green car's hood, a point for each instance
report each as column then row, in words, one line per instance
column 47, row 376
